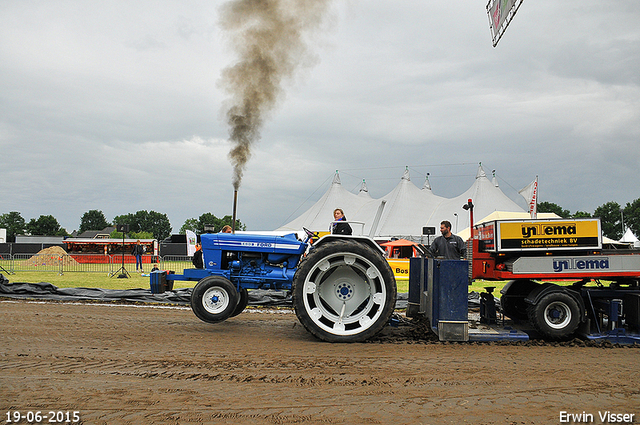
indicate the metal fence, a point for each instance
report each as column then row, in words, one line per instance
column 86, row 263
column 35, row 263
column 5, row 263
column 175, row 262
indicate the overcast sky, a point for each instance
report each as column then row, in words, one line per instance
column 116, row 106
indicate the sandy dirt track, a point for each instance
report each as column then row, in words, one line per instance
column 126, row 364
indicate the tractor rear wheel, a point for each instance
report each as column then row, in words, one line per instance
column 344, row 291
column 214, row 299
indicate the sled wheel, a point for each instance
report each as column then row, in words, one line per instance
column 243, row 300
column 344, row 291
column 512, row 300
column 214, row 299
column 556, row 316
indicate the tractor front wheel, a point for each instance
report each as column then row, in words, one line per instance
column 214, row 299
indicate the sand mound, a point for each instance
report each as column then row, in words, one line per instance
column 51, row 256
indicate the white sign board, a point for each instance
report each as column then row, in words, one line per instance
column 3, row 235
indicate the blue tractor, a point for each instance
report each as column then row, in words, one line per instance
column 343, row 288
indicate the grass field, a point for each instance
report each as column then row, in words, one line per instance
column 89, row 280
column 136, row 280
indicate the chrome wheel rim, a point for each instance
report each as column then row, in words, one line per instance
column 344, row 293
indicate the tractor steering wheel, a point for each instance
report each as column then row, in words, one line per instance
column 310, row 234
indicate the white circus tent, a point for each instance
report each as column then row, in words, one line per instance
column 319, row 216
column 405, row 209
column 630, row 238
column 403, row 212
column 486, row 197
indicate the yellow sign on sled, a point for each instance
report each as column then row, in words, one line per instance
column 400, row 268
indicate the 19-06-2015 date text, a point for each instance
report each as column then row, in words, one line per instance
column 41, row 417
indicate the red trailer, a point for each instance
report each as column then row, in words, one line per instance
column 561, row 279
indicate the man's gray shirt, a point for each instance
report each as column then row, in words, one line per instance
column 451, row 248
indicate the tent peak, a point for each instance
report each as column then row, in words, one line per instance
column 406, row 175
column 364, row 188
column 336, row 178
column 426, row 185
column 628, row 236
column 494, row 180
column 481, row 172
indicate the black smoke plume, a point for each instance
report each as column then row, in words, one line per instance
column 269, row 38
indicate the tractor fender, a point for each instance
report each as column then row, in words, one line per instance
column 360, row 239
column 546, row 288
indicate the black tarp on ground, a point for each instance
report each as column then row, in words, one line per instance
column 47, row 291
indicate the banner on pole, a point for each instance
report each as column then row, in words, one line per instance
column 530, row 194
column 191, row 242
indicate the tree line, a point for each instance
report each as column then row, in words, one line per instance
column 613, row 217
column 151, row 224
column 142, row 224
